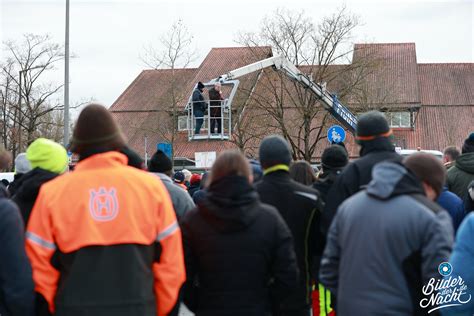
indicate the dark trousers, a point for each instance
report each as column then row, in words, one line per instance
column 199, row 120
column 216, row 122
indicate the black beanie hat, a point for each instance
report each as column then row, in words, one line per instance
column 334, row 158
column 96, row 129
column 200, row 85
column 371, row 125
column 274, row 150
column 427, row 168
column 468, row 146
column 160, row 162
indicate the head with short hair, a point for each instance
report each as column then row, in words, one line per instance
column 450, row 153
column 217, row 86
column 429, row 170
column 468, row 146
column 96, row 130
column 302, row 172
column 5, row 158
column 274, row 150
column 229, row 163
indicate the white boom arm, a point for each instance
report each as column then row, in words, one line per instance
column 280, row 63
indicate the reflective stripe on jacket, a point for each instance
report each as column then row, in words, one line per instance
column 101, row 209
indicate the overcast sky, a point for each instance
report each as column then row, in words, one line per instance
column 107, row 37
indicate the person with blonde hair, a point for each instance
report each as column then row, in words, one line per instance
column 239, row 252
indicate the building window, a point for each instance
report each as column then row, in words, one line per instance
column 398, row 119
column 183, row 123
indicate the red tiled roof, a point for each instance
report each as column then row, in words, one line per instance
column 446, row 84
column 396, row 73
column 151, row 87
column 433, row 86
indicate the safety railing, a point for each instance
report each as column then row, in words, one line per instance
column 214, row 123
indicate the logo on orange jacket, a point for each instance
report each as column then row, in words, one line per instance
column 103, row 204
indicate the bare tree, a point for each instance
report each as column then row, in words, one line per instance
column 26, row 96
column 315, row 48
column 173, row 54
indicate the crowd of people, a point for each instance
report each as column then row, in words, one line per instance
column 118, row 236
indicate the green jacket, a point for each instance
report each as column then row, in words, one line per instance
column 461, row 174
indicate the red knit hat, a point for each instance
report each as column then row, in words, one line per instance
column 195, row 179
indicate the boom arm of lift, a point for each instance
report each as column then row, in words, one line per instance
column 280, row 63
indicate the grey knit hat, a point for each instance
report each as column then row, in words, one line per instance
column 274, row 150
column 22, row 164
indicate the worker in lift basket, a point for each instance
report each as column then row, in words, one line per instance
column 199, row 106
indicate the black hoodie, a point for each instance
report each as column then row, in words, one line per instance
column 27, row 190
column 238, row 251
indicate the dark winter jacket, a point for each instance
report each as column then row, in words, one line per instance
column 13, row 186
column 199, row 105
column 193, row 188
column 16, row 283
column 300, row 207
column 357, row 175
column 216, row 98
column 239, row 254
column 454, row 205
column 324, row 182
column 384, row 244
column 28, row 188
column 461, row 174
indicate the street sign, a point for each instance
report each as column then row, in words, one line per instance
column 166, row 148
column 336, row 134
column 205, row 159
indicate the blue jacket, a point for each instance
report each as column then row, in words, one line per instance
column 454, row 205
column 462, row 261
column 16, row 283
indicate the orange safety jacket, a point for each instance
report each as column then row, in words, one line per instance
column 105, row 237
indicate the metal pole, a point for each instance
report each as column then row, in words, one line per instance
column 66, row 79
column 146, row 152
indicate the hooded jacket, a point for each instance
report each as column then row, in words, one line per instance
column 384, row 244
column 357, row 175
column 16, row 283
column 459, row 176
column 199, row 104
column 300, row 207
column 239, row 253
column 28, row 187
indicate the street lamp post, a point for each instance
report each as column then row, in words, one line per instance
column 66, row 80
